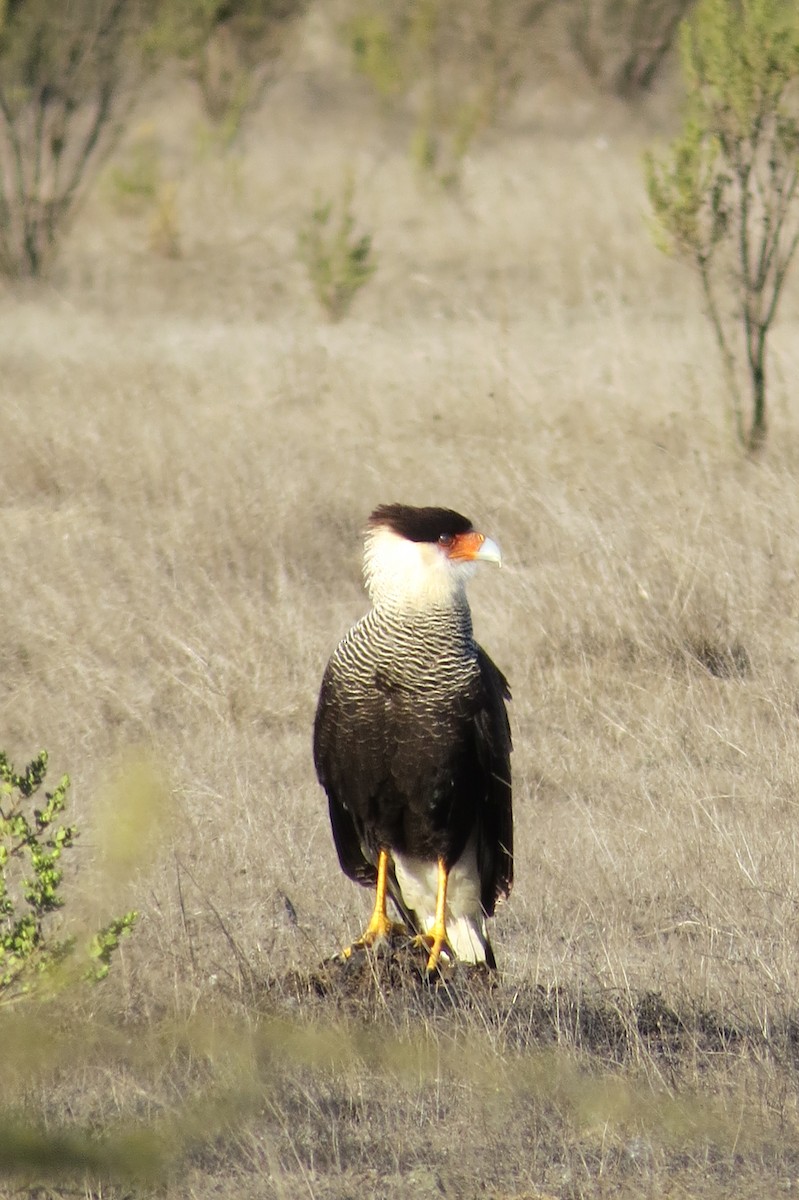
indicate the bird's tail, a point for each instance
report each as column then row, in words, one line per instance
column 469, row 941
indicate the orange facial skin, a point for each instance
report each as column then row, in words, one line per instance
column 471, row 546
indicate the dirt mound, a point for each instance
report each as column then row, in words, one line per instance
column 390, row 984
column 390, row 980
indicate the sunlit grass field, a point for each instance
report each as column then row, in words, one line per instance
column 189, row 455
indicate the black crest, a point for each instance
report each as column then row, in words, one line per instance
column 419, row 524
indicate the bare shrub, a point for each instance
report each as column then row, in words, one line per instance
column 457, row 64
column 67, row 74
column 230, row 50
column 622, row 43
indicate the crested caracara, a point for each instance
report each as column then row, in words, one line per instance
column 412, row 742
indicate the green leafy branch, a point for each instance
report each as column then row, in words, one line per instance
column 32, row 843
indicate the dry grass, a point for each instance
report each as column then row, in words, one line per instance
column 189, row 455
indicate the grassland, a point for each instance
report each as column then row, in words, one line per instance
column 189, row 453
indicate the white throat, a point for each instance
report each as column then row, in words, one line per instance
column 413, row 575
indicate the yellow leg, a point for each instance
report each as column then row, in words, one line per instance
column 380, row 925
column 436, row 938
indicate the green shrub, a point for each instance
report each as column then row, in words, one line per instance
column 339, row 262
column 137, row 187
column 33, row 841
column 725, row 194
column 134, row 179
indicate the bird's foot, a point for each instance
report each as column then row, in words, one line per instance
column 436, row 943
column 380, row 928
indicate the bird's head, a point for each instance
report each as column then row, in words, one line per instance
column 422, row 557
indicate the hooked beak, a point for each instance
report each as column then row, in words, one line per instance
column 475, row 547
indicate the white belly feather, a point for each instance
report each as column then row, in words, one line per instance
column 418, row 882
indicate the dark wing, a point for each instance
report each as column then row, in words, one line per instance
column 344, row 776
column 495, row 823
column 330, row 741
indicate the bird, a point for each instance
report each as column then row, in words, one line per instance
column 412, row 741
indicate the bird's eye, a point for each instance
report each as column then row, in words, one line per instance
column 445, row 539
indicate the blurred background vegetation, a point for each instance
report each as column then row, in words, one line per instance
column 69, row 79
column 69, row 83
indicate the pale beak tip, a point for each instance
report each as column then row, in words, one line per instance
column 490, row 552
